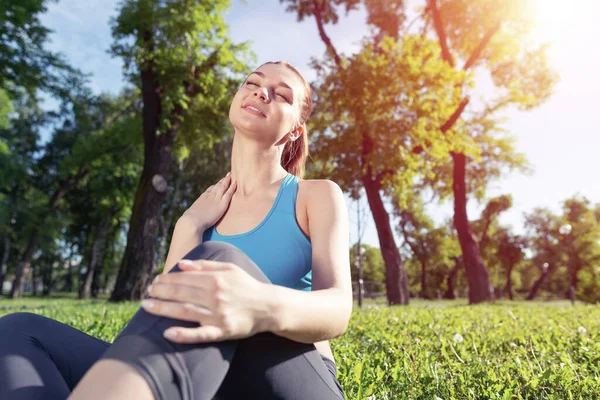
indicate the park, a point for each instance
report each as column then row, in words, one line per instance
column 460, row 132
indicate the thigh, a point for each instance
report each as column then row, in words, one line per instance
column 268, row 366
column 71, row 351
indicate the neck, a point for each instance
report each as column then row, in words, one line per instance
column 254, row 167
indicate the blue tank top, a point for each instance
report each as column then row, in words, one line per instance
column 277, row 245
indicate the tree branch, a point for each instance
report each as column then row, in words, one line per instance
column 439, row 29
column 405, row 234
column 484, row 42
column 192, row 89
column 317, row 10
column 448, row 124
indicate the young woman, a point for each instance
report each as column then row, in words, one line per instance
column 256, row 281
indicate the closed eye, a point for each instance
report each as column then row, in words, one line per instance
column 278, row 94
column 283, row 97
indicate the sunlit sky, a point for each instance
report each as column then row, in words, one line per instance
column 561, row 138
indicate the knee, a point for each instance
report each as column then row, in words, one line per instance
column 226, row 252
column 21, row 321
column 212, row 250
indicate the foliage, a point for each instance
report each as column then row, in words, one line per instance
column 372, row 264
column 360, row 122
column 25, row 63
column 184, row 44
column 430, row 249
column 430, row 350
column 576, row 251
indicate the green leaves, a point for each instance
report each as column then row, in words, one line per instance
column 386, row 100
column 25, row 64
column 182, row 45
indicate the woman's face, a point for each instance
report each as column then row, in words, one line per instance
column 267, row 106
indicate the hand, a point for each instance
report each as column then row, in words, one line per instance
column 220, row 296
column 212, row 204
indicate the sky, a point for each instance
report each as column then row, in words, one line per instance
column 560, row 139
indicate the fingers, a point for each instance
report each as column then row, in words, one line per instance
column 204, row 265
column 178, row 293
column 183, row 311
column 205, row 281
column 224, row 183
column 201, row 334
column 229, row 193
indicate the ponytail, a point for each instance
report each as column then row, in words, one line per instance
column 293, row 159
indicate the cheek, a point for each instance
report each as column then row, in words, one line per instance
column 289, row 116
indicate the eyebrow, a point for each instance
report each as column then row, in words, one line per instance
column 282, row 84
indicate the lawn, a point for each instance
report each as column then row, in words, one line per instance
column 429, row 350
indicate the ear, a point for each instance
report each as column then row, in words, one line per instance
column 296, row 133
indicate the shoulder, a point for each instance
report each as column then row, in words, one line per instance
column 321, row 186
column 318, row 194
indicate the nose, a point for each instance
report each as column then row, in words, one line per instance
column 262, row 93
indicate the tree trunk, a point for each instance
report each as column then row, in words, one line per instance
column 396, row 282
column 573, row 269
column 138, row 259
column 508, row 288
column 34, row 274
column 477, row 274
column 46, row 276
column 96, row 280
column 450, row 294
column 424, row 279
column 69, row 278
column 17, row 288
column 538, row 284
column 4, row 263
column 96, row 254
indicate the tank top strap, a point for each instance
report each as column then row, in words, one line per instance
column 289, row 190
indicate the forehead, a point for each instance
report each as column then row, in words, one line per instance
column 281, row 73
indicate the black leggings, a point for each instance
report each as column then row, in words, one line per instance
column 41, row 358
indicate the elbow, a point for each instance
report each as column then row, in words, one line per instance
column 345, row 316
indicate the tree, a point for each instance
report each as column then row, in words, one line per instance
column 542, row 231
column 363, row 131
column 433, row 248
column 78, row 140
column 567, row 246
column 177, row 53
column 510, row 253
column 581, row 240
column 24, row 62
column 19, row 199
column 372, row 264
column 483, row 34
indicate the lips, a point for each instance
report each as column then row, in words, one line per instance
column 253, row 108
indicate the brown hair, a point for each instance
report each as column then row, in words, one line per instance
column 293, row 158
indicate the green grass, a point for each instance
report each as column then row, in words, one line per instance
column 429, row 350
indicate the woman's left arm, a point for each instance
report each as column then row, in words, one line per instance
column 324, row 312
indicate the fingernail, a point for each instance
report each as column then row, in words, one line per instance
column 147, row 303
column 170, row 334
column 229, row 173
column 186, row 262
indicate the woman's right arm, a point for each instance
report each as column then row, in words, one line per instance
column 204, row 213
column 186, row 236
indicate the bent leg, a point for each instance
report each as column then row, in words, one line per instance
column 41, row 358
column 173, row 370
